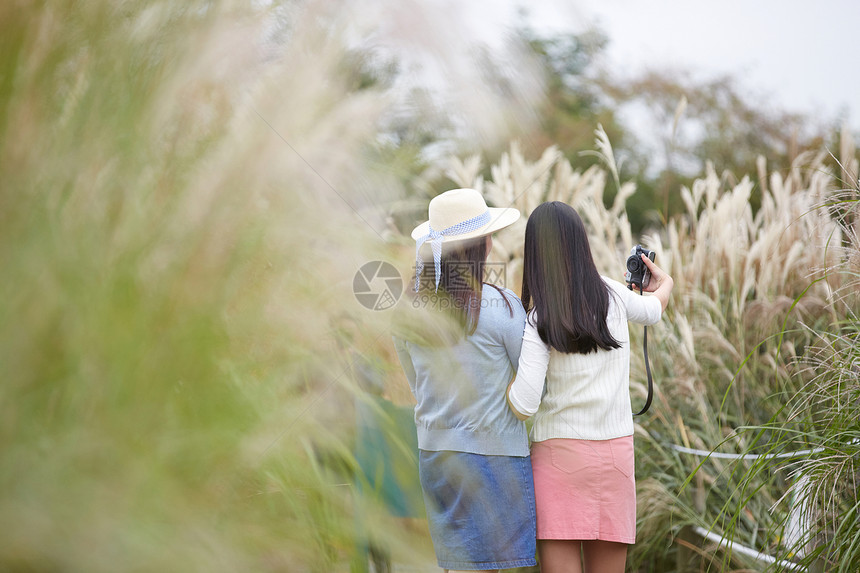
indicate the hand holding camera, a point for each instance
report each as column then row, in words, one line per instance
column 646, row 276
column 638, row 273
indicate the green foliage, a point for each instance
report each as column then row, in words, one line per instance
column 575, row 104
column 695, row 122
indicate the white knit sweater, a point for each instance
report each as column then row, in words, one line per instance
column 582, row 396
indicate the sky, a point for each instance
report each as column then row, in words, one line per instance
column 796, row 55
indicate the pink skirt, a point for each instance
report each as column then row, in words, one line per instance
column 585, row 489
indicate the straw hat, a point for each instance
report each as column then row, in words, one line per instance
column 463, row 210
column 457, row 215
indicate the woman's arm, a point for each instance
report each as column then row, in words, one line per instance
column 525, row 391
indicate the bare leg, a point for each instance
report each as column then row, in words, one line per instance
column 604, row 556
column 560, row 556
column 458, row 571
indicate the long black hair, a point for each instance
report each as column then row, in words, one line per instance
column 460, row 283
column 561, row 283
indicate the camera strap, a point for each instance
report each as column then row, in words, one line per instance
column 647, row 365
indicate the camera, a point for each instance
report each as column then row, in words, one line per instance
column 637, row 273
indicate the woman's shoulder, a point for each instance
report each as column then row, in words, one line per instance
column 491, row 290
column 501, row 302
column 613, row 284
column 618, row 292
column 494, row 292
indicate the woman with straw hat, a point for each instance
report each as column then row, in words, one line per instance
column 459, row 346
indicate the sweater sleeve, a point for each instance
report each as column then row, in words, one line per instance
column 405, row 362
column 527, row 389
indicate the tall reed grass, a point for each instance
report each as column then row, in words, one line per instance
column 757, row 352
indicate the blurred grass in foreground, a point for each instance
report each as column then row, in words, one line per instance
column 184, row 199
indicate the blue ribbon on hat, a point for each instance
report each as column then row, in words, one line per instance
column 435, row 238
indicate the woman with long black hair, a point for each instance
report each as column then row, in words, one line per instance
column 573, row 376
column 459, row 347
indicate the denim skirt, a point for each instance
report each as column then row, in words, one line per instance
column 480, row 509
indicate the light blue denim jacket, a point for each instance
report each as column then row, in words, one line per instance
column 460, row 389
